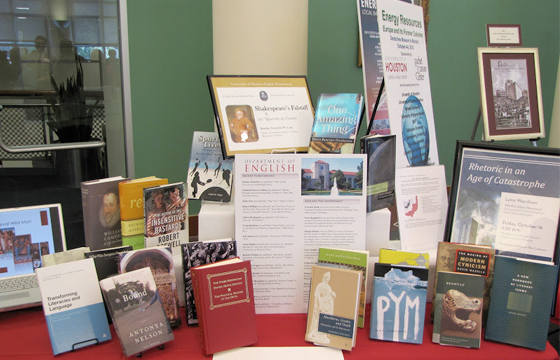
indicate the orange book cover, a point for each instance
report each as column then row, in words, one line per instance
column 131, row 196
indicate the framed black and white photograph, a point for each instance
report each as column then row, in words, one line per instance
column 506, row 197
column 262, row 114
column 510, row 88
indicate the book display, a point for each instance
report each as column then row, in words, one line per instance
column 268, row 233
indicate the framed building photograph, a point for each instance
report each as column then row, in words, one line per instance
column 506, row 197
column 262, row 114
column 511, row 98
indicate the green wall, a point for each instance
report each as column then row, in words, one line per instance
column 170, row 45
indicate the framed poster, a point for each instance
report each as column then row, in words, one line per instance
column 262, row 114
column 510, row 88
column 507, row 197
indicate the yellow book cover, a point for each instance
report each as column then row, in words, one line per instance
column 399, row 257
column 132, row 227
column 131, row 196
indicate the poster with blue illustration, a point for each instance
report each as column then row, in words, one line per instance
column 407, row 82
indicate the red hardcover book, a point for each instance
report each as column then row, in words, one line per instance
column 225, row 305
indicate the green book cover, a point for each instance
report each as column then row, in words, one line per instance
column 349, row 259
column 520, row 302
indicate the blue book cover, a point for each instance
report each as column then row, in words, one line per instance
column 398, row 303
column 336, row 123
column 73, row 305
column 520, row 302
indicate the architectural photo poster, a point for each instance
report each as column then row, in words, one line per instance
column 286, row 208
column 507, row 197
column 407, row 82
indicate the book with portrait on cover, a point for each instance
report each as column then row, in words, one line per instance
column 73, row 305
column 225, row 305
column 336, row 123
column 136, row 310
column 334, row 302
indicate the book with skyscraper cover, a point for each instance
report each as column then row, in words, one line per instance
column 398, row 303
column 136, row 310
column 352, row 260
column 102, row 213
column 381, row 155
column 336, row 123
column 458, row 309
column 210, row 176
column 73, row 305
column 520, row 302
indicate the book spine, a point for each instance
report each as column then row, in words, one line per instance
column 86, row 211
column 201, row 317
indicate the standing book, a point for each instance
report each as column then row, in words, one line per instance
column 522, row 293
column 352, row 260
column 225, row 305
column 102, row 212
column 73, row 305
column 336, row 123
column 201, row 253
column 334, row 301
column 210, row 176
column 406, row 258
column 458, row 309
column 131, row 195
column 136, row 310
column 398, row 303
column 381, row 155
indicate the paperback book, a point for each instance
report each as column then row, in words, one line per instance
column 107, row 260
column 102, row 212
column 352, row 260
column 381, row 152
column 73, row 305
column 458, row 309
column 201, row 253
column 398, row 304
column 225, row 305
column 336, row 123
column 520, row 303
column 406, row 258
column 210, row 176
column 136, row 310
column 160, row 261
column 334, row 301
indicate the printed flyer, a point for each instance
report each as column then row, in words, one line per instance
column 407, row 82
column 287, row 207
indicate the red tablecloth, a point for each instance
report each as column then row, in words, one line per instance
column 23, row 335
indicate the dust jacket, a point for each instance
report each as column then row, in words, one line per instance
column 136, row 310
column 520, row 303
column 201, row 253
column 225, row 305
column 334, row 302
column 398, row 303
column 381, row 155
column 73, row 305
column 458, row 309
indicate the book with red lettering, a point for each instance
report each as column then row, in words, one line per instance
column 225, row 305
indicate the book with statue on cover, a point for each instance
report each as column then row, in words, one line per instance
column 137, row 311
column 225, row 305
column 334, row 302
column 336, row 123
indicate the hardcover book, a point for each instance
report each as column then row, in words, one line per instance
column 352, row 260
column 520, row 303
column 225, row 304
column 336, row 123
column 102, row 212
column 406, row 258
column 398, row 303
column 210, row 176
column 107, row 260
column 160, row 261
column 131, row 195
column 136, row 310
column 73, row 305
column 380, row 151
column 467, row 259
column 201, row 253
column 458, row 309
column 334, row 301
